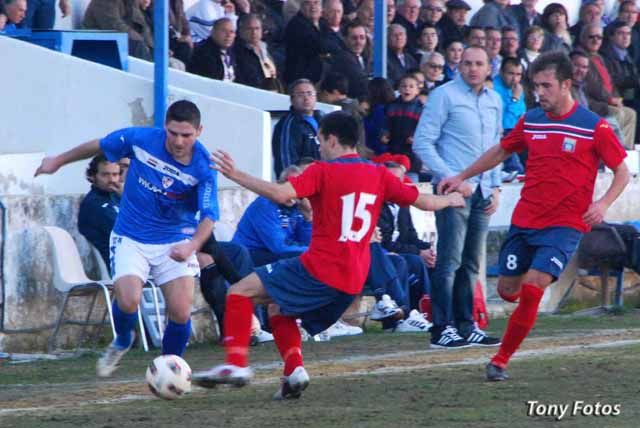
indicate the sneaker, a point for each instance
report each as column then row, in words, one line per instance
column 323, row 336
column 108, row 363
column 264, row 336
column 223, row 374
column 415, row 323
column 495, row 373
column 341, row 328
column 478, row 337
column 384, row 308
column 449, row 339
column 291, row 386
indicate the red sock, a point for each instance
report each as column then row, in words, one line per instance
column 287, row 337
column 237, row 329
column 512, row 298
column 520, row 323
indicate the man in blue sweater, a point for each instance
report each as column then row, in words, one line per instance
column 272, row 232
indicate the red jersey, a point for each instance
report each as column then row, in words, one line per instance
column 346, row 195
column 562, row 165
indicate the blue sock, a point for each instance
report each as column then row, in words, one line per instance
column 176, row 337
column 124, row 323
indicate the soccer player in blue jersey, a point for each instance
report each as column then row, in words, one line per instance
column 168, row 209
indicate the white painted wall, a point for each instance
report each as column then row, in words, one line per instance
column 58, row 101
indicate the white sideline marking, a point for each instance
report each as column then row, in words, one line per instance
column 556, row 350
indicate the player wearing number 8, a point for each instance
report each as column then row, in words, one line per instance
column 566, row 144
column 346, row 194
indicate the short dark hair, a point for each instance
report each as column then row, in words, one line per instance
column 341, row 125
column 335, row 82
column 351, row 25
column 510, row 61
column 549, row 10
column 184, row 111
column 219, row 22
column 380, row 91
column 578, row 53
column 509, row 28
column 557, row 61
column 92, row 169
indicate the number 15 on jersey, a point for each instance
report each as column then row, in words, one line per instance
column 351, row 210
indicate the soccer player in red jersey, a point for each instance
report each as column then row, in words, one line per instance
column 566, row 144
column 346, row 193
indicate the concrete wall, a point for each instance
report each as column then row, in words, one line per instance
column 69, row 101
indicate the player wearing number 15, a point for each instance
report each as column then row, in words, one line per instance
column 566, row 144
column 346, row 194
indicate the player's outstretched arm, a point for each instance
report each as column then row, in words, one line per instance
column 279, row 193
column 489, row 160
column 438, row 202
column 51, row 164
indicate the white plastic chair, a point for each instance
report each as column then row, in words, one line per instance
column 70, row 278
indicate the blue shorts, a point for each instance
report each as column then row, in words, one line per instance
column 547, row 250
column 302, row 296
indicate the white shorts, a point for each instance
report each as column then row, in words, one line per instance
column 129, row 257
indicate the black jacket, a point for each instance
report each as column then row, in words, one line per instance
column 97, row 215
column 408, row 241
column 293, row 139
column 249, row 69
column 519, row 14
column 306, row 49
column 623, row 73
column 347, row 64
column 450, row 31
column 206, row 60
column 395, row 70
column 413, row 31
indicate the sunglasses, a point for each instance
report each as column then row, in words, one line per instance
column 595, row 37
column 435, row 66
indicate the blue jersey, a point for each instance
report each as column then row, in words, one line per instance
column 163, row 200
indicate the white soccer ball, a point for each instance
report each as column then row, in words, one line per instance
column 169, row 377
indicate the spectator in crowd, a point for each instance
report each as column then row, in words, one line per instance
column 588, row 92
column 555, row 22
column 215, row 58
column 590, row 13
column 334, row 89
column 126, row 16
column 453, row 56
column 255, row 65
column 511, row 45
column 41, row 14
column 12, row 14
column 273, row 25
column 533, row 42
column 205, row 13
column 629, row 14
column 355, row 62
column 494, row 14
column 427, row 42
column 295, row 136
column 391, row 11
column 432, row 12
column 399, row 236
column 475, row 37
column 460, row 121
column 399, row 60
column 365, row 16
column 525, row 15
column 306, row 47
column 494, row 46
column 409, row 17
column 454, row 23
column 590, row 42
column 272, row 231
column 508, row 84
column 401, row 120
column 380, row 94
column 331, row 25
column 624, row 72
column 433, row 67
column 99, row 208
column 180, row 40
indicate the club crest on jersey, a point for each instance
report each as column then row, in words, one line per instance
column 167, row 182
column 569, row 145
